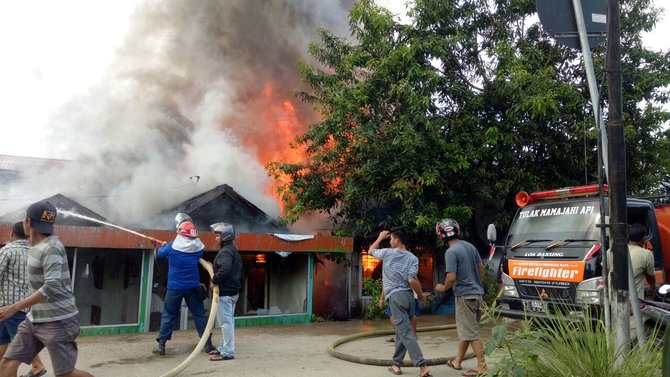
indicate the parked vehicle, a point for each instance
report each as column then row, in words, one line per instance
column 551, row 260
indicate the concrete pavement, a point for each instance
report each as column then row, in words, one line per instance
column 266, row 351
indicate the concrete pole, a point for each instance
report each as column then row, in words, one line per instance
column 602, row 144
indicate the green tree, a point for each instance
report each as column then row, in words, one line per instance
column 453, row 114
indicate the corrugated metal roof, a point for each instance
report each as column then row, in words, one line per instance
column 21, row 163
column 112, row 238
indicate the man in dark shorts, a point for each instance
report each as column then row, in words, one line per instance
column 464, row 273
column 53, row 320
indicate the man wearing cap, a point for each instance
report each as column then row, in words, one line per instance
column 53, row 320
column 14, row 288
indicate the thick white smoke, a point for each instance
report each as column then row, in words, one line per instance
column 182, row 99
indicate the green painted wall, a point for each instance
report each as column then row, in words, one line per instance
column 239, row 322
column 111, row 330
column 272, row 320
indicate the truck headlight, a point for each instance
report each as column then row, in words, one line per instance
column 509, row 289
column 590, row 292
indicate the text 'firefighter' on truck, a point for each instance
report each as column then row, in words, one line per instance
column 551, row 260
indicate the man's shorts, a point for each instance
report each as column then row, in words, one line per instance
column 468, row 314
column 9, row 327
column 417, row 308
column 58, row 337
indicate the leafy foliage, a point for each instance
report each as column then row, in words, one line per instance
column 565, row 347
column 490, row 282
column 453, row 114
column 373, row 287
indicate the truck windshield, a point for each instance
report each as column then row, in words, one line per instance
column 554, row 221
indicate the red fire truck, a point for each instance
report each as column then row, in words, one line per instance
column 552, row 257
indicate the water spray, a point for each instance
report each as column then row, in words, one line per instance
column 67, row 213
column 206, row 265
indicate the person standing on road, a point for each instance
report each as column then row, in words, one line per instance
column 399, row 279
column 53, row 320
column 14, row 288
column 183, row 255
column 228, row 275
column 464, row 273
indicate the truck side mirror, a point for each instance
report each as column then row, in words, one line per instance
column 664, row 292
column 491, row 233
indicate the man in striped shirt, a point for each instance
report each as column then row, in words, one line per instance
column 53, row 321
column 399, row 279
column 14, row 288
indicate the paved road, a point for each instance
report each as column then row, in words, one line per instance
column 267, row 351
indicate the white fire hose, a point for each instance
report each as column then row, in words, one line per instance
column 208, row 328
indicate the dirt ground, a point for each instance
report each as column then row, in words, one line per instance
column 289, row 350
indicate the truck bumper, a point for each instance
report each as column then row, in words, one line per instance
column 509, row 308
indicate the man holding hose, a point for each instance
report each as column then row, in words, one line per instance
column 183, row 255
column 229, row 276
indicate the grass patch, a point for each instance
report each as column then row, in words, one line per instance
column 564, row 347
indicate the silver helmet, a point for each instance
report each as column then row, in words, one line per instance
column 227, row 231
column 180, row 218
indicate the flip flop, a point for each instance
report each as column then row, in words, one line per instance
column 221, row 358
column 396, row 372
column 474, row 373
column 38, row 374
column 450, row 364
column 214, row 352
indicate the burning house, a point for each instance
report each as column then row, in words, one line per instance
column 118, row 284
column 196, row 96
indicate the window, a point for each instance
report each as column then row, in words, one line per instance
column 107, row 285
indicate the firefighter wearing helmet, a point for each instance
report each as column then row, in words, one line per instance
column 187, row 229
column 229, row 276
column 180, row 218
column 183, row 255
column 464, row 274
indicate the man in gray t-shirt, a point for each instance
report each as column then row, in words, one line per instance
column 464, row 273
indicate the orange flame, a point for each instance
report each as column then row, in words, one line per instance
column 280, row 126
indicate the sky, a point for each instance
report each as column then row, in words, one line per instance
column 53, row 51
column 56, row 51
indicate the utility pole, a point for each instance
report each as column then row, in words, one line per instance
column 617, row 183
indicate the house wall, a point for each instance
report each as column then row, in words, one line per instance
column 123, row 298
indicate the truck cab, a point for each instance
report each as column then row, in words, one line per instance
column 552, row 257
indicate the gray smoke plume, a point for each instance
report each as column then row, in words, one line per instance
column 199, row 88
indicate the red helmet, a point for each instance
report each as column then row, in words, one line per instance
column 447, row 229
column 187, row 229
